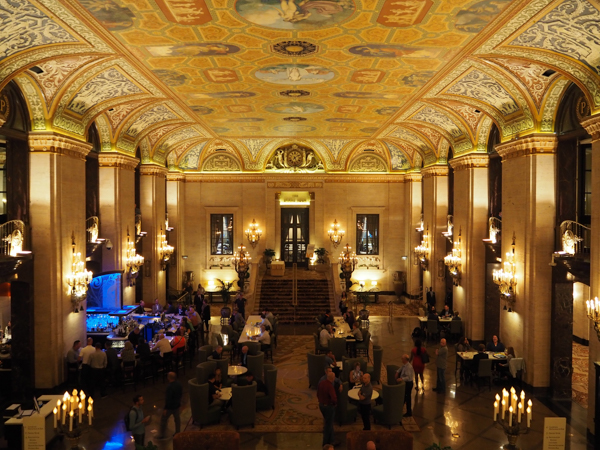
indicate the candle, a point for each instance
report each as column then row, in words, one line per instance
column 90, row 415
column 495, row 410
column 510, row 411
column 91, row 402
column 71, row 421
column 81, row 411
column 64, row 408
column 529, row 417
column 519, row 414
column 55, row 411
column 74, row 392
column 523, row 397
column 514, row 403
column 503, row 408
column 58, row 403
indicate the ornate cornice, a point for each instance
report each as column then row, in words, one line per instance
column 592, row 126
column 176, row 176
column 224, row 178
column 151, row 169
column 48, row 142
column 435, row 171
column 399, row 178
column 117, row 160
column 472, row 161
column 534, row 144
column 413, row 177
column 294, row 181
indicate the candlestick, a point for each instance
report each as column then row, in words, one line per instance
column 91, row 402
column 520, row 407
column 81, row 410
column 503, row 408
column 55, row 411
column 529, row 417
column 510, row 411
column 58, row 403
column 64, row 410
column 90, row 414
column 495, row 410
column 71, row 421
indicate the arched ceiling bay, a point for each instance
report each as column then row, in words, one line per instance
column 201, row 84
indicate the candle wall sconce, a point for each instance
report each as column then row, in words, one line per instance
column 506, row 278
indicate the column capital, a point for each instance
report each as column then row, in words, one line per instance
column 118, row 160
column 151, row 169
column 175, row 176
column 533, row 144
column 592, row 126
column 471, row 161
column 48, row 142
column 413, row 177
column 435, row 171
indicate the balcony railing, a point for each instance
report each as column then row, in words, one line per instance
column 13, row 237
column 574, row 238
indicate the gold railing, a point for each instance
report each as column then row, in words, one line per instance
column 12, row 235
column 574, row 238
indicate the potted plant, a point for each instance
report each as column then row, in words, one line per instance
column 226, row 295
column 321, row 253
column 268, row 254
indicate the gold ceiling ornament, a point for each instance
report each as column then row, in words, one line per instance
column 335, row 234
column 453, row 260
column 294, row 158
column 253, row 233
column 79, row 278
column 295, row 48
column 506, row 278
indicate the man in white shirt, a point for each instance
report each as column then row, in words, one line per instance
column 163, row 345
column 325, row 335
column 406, row 374
column 86, row 370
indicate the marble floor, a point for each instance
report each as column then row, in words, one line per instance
column 461, row 419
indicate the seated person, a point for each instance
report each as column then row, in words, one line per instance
column 214, row 394
column 433, row 314
column 265, row 321
column 466, row 366
column 156, row 308
column 325, row 335
column 180, row 310
column 503, row 366
column 464, row 345
column 244, row 357
column 218, row 378
column 456, row 316
column 178, row 341
column 327, row 318
column 481, row 354
column 264, row 338
column 261, row 387
column 143, row 349
column 356, row 333
column 134, row 337
column 217, row 353
column 269, row 315
column 355, row 376
column 163, row 345
column 495, row 346
column 141, row 308
column 331, row 362
column 446, row 312
column 349, row 318
column 172, row 309
column 128, row 354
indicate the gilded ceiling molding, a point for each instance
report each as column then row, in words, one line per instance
column 49, row 142
column 300, row 181
column 435, row 171
column 224, row 178
column 472, row 161
column 176, row 176
column 104, row 132
column 592, row 126
column 369, row 162
column 551, row 103
column 154, row 170
column 413, row 177
column 221, row 163
column 34, row 99
column 533, row 144
column 219, row 146
column 117, row 160
column 485, row 126
column 295, row 184
column 365, row 178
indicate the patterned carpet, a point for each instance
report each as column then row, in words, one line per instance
column 579, row 379
column 399, row 309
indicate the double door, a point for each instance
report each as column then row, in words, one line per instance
column 294, row 236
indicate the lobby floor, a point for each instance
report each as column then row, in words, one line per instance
column 463, row 411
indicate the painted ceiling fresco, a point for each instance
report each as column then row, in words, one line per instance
column 407, row 79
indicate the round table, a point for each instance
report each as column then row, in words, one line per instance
column 353, row 394
column 226, row 394
column 233, row 371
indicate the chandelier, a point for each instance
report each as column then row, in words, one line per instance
column 506, row 278
column 253, row 233
column 335, row 234
column 593, row 313
column 422, row 251
column 241, row 262
column 133, row 261
column 164, row 249
column 79, row 278
column 453, row 260
column 348, row 263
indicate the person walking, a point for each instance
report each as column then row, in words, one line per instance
column 441, row 362
column 406, row 374
column 364, row 401
column 205, row 313
column 137, row 420
column 327, row 401
column 417, row 356
column 172, row 405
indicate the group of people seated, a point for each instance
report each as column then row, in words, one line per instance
column 470, row 368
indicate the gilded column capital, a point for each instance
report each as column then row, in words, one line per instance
column 118, row 160
column 592, row 126
column 435, row 171
column 48, row 142
column 472, row 161
column 151, row 169
column 413, row 177
column 175, row 176
column 534, row 144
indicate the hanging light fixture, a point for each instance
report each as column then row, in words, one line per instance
column 453, row 260
column 164, row 249
column 422, row 251
column 133, row 261
column 79, row 279
column 335, row 234
column 253, row 233
column 506, row 278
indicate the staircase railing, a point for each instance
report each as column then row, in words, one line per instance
column 12, row 235
column 574, row 238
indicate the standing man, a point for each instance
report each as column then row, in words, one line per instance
column 172, row 405
column 406, row 374
column 205, row 314
column 240, row 302
column 327, row 401
column 137, row 421
column 73, row 353
column 441, row 362
column 86, row 371
column 98, row 363
column 364, row 401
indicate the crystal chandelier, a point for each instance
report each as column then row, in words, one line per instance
column 335, row 234
column 422, row 251
column 506, row 278
column 79, row 278
column 253, row 233
column 164, row 249
column 453, row 260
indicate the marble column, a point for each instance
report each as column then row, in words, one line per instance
column 175, row 208
column 117, row 213
column 412, row 213
column 592, row 126
column 470, row 219
column 57, row 211
column 154, row 209
column 435, row 215
column 529, row 212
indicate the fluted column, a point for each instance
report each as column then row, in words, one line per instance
column 592, row 126
column 117, row 212
column 470, row 219
column 57, row 211
column 412, row 213
column 529, row 211
column 435, row 212
column 175, row 208
column 153, row 207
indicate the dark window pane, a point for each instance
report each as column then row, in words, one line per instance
column 221, row 232
column 367, row 234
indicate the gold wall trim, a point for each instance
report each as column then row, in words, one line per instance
column 413, row 177
column 176, row 176
column 48, row 142
column 534, row 144
column 435, row 171
column 150, row 169
column 472, row 161
column 592, row 126
column 298, row 182
column 117, row 160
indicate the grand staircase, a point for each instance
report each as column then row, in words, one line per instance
column 313, row 296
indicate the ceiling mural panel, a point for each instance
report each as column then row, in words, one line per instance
column 56, row 71
column 435, row 117
column 191, row 159
column 398, row 157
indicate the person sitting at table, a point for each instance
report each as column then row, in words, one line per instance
column 466, row 366
column 218, row 378
column 446, row 312
column 260, row 385
column 342, row 304
column 156, row 307
column 170, row 308
column 331, row 362
column 244, row 357
column 268, row 315
column 337, row 383
column 327, row 317
column 355, row 376
column 356, row 333
column 163, row 345
column 134, row 337
column 237, row 321
column 266, row 322
column 180, row 310
column 141, row 309
column 481, row 354
column 349, row 318
column 214, row 394
column 264, row 338
column 178, row 341
column 217, row 353
column 143, row 349
column 495, row 346
column 128, row 354
column 503, row 366
column 464, row 345
column 325, row 335
column 433, row 315
column 456, row 316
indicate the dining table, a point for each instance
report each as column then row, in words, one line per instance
column 353, row 393
column 225, row 393
column 234, row 371
column 251, row 329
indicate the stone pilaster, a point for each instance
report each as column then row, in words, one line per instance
column 470, row 218
column 117, row 212
column 412, row 213
column 175, row 208
column 57, row 211
column 592, row 126
column 528, row 211
column 435, row 212
column 154, row 208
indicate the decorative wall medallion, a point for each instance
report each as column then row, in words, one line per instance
column 475, row 17
column 366, row 95
column 403, row 13
column 393, row 51
column 110, row 14
column 4, row 108
column 171, row 77
column 244, row 119
column 369, row 130
column 221, row 163
column 294, row 158
column 202, row 110
column 418, row 79
column 221, row 75
column 227, row 94
column 185, row 12
column 387, row 110
column 367, row 76
column 294, row 48
column 582, row 108
column 295, row 108
column 294, row 119
column 294, row 74
column 251, row 129
column 294, row 93
column 368, row 163
column 349, row 109
column 239, row 108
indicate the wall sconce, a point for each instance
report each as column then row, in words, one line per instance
column 422, row 251
column 164, row 250
column 506, row 278
column 453, row 260
column 335, row 234
column 593, row 313
column 253, row 233
column 79, row 279
column 133, row 261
